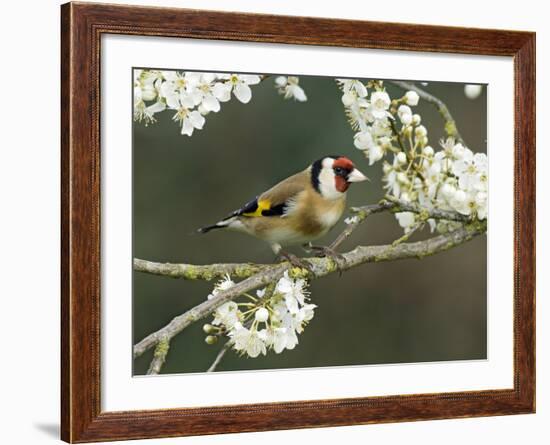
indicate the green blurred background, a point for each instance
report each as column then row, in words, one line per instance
column 433, row 309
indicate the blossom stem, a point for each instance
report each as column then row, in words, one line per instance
column 250, row 297
column 397, row 135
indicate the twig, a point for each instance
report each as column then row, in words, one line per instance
column 159, row 357
column 320, row 267
column 426, row 213
column 226, row 347
column 361, row 214
column 450, row 124
column 410, row 233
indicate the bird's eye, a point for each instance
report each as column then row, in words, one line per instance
column 339, row 171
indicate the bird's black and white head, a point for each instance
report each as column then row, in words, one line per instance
column 331, row 176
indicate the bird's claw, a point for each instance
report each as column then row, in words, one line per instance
column 296, row 261
column 327, row 252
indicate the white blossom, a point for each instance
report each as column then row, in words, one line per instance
column 375, row 154
column 293, row 291
column 284, row 313
column 283, row 338
column 204, row 91
column 364, row 140
column 289, row 88
column 239, row 84
column 406, row 220
column 248, row 341
column 227, row 314
column 224, row 284
column 353, row 90
column 189, row 120
column 380, row 102
column 192, row 95
column 351, row 220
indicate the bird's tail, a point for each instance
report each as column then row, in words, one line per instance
column 219, row 225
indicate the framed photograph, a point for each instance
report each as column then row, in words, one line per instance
column 275, row 222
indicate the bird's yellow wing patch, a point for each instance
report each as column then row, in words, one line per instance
column 263, row 204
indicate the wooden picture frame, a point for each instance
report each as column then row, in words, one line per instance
column 82, row 25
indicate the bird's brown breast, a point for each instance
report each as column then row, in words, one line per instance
column 315, row 215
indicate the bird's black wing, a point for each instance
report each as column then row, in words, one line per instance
column 258, row 207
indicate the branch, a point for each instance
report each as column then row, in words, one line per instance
column 244, row 270
column 450, row 124
column 226, row 347
column 159, row 357
column 196, row 272
column 320, row 267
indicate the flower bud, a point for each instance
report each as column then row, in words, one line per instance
column 405, row 114
column 406, row 119
column 401, row 157
column 416, row 119
column 208, row 328
column 411, row 98
column 420, row 131
column 261, row 315
column 473, row 91
column 428, row 151
column 403, row 109
column 211, row 339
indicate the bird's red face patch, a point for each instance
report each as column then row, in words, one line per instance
column 346, row 166
column 344, row 163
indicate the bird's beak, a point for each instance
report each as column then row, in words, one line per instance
column 357, row 176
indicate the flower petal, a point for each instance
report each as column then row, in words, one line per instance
column 210, row 103
column 242, row 92
column 298, row 93
column 197, row 119
column 186, row 127
column 250, row 79
column 222, row 91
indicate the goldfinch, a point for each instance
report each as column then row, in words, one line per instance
column 299, row 209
